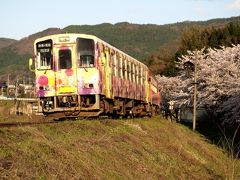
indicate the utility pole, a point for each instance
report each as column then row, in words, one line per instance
column 7, row 85
column 195, row 98
column 16, row 88
column 192, row 67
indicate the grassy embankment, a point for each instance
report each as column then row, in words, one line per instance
column 117, row 149
column 5, row 107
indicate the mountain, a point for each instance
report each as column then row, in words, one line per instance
column 4, row 42
column 134, row 39
column 25, row 45
column 14, row 57
column 142, row 41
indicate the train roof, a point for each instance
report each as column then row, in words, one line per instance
column 74, row 36
column 71, row 35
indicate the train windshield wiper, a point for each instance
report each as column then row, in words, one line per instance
column 85, row 69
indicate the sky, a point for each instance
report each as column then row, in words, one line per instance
column 21, row 18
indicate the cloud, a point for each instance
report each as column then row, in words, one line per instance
column 234, row 5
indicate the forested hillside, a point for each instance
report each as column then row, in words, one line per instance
column 192, row 38
column 155, row 45
column 4, row 42
column 14, row 58
column 137, row 40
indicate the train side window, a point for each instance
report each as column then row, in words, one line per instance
column 130, row 71
column 154, row 82
column 140, row 74
column 133, row 72
column 106, row 55
column 120, row 67
column 143, row 76
column 102, row 59
column 86, row 50
column 124, row 69
column 65, row 59
column 116, row 66
column 149, row 79
column 136, row 74
column 114, row 63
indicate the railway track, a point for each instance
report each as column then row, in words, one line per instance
column 51, row 119
column 47, row 120
column 44, row 120
column 26, row 123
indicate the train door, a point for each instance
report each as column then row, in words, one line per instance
column 66, row 81
column 147, row 86
column 107, row 70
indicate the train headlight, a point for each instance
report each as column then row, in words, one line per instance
column 88, row 85
column 45, row 88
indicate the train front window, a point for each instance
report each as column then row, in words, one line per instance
column 65, row 59
column 86, row 50
column 45, row 61
column 44, row 55
column 86, row 61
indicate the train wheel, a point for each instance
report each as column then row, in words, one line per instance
column 115, row 115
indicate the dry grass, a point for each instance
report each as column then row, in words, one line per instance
column 117, row 149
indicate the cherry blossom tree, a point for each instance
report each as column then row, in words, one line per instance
column 218, row 82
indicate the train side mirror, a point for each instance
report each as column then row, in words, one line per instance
column 30, row 64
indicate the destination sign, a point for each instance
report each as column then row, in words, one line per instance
column 44, row 46
column 44, row 50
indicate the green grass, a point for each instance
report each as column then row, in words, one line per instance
column 5, row 109
column 117, row 149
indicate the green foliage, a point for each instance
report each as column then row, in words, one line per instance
column 8, row 57
column 14, row 64
column 136, row 40
column 197, row 37
column 171, row 69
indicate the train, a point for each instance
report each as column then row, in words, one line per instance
column 81, row 75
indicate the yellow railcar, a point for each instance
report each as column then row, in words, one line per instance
column 81, row 75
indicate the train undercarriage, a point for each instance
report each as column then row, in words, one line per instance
column 94, row 106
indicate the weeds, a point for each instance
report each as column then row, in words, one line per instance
column 231, row 147
column 123, row 149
